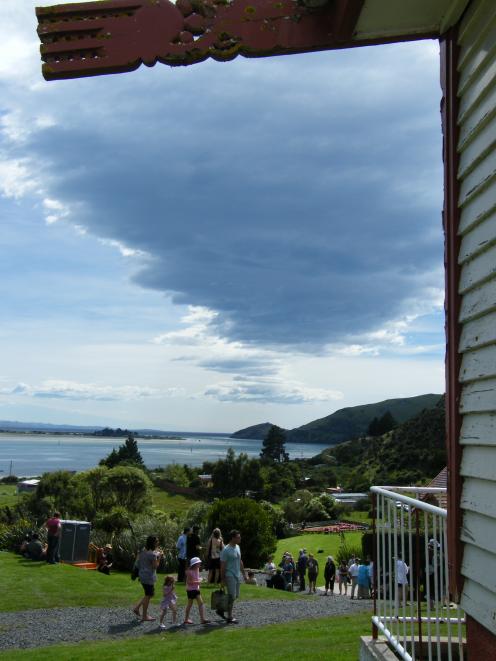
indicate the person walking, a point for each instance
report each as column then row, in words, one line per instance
column 343, row 577
column 181, row 554
column 329, row 574
column 54, row 529
column 148, row 561
column 231, row 569
column 353, row 572
column 313, row 572
column 169, row 600
column 302, row 568
column 193, row 580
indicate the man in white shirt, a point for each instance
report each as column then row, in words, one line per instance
column 353, row 571
column 402, row 570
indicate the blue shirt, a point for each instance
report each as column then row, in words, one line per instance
column 181, row 547
column 231, row 555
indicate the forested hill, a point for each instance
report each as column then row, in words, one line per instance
column 415, row 451
column 346, row 423
column 256, row 432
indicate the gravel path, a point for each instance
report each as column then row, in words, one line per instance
column 36, row 628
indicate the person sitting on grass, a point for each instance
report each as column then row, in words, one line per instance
column 251, row 580
column 105, row 559
column 278, row 582
column 35, row 550
column 193, row 580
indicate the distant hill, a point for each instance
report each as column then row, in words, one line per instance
column 413, row 452
column 346, row 423
column 254, row 433
column 353, row 421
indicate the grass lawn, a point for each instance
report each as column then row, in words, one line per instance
column 171, row 502
column 8, row 494
column 330, row 639
column 312, row 542
column 27, row 584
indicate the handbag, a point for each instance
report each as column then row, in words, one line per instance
column 135, row 571
column 219, row 600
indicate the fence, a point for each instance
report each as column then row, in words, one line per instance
column 412, row 608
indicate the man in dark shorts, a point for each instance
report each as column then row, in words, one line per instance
column 54, row 527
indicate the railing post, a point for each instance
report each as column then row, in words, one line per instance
column 417, row 572
column 375, row 632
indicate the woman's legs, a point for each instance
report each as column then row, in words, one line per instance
column 145, row 603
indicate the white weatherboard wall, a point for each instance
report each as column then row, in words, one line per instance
column 477, row 178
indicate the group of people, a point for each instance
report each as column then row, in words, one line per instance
column 33, row 548
column 227, row 569
column 188, row 546
column 290, row 573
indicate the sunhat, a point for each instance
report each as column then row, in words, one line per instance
column 194, row 561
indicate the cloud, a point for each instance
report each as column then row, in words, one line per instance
column 293, row 217
column 269, row 390
column 55, row 389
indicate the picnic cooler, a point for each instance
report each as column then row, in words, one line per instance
column 74, row 540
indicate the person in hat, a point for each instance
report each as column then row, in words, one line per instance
column 193, row 580
column 105, row 559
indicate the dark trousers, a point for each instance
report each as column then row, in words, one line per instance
column 53, row 545
column 181, row 570
column 301, row 575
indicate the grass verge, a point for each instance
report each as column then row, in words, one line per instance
column 27, row 584
column 319, row 544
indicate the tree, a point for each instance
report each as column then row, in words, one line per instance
column 127, row 454
column 273, row 447
column 130, row 488
column 254, row 523
column 234, row 476
column 382, row 425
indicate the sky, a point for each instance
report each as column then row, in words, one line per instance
column 209, row 247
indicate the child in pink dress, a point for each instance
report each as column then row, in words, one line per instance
column 193, row 580
column 169, row 600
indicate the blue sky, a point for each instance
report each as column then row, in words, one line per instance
column 219, row 245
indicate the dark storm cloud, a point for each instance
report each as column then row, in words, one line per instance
column 298, row 197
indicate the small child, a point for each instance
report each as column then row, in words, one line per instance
column 193, row 580
column 251, row 580
column 169, row 600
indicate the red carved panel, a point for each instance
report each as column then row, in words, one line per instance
column 114, row 36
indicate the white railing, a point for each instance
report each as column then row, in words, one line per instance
column 412, row 608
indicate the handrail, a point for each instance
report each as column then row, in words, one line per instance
column 412, row 502
column 410, row 570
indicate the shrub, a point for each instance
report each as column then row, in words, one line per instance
column 12, row 536
column 10, row 479
column 254, row 523
column 127, row 542
column 347, row 551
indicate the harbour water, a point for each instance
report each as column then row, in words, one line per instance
column 33, row 454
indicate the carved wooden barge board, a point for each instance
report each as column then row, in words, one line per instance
column 114, row 36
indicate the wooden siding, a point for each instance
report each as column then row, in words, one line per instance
column 477, row 259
